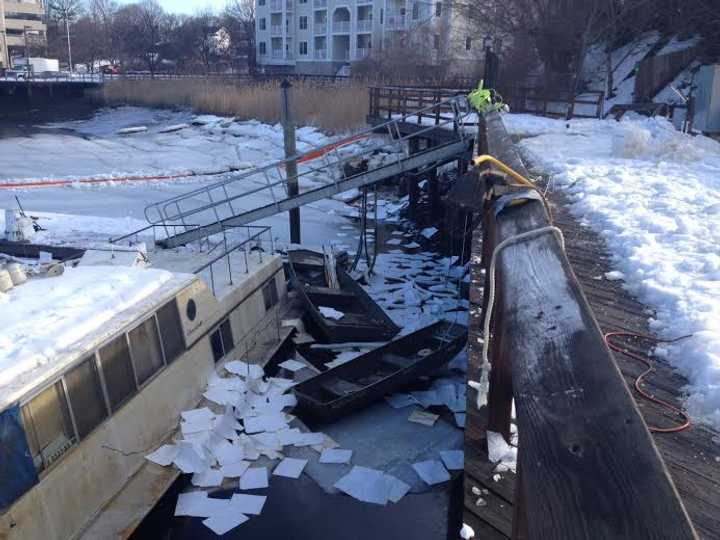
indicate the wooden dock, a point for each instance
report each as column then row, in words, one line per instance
column 690, row 457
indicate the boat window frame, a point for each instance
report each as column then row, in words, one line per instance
column 25, row 404
column 270, row 299
column 164, row 365
column 94, row 360
column 181, row 334
column 133, row 393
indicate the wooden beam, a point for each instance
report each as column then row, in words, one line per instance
column 590, row 468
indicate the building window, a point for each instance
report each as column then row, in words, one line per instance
column 117, row 371
column 171, row 333
column 261, row 2
column 221, row 340
column 270, row 294
column 86, row 397
column 468, row 43
column 48, row 426
column 303, row 1
column 416, row 11
column 382, row 15
column 438, row 9
column 303, row 48
column 261, row 23
column 262, row 48
column 302, row 23
column 436, row 42
column 146, row 352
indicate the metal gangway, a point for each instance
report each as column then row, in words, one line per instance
column 365, row 158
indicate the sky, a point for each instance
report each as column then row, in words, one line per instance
column 188, row 7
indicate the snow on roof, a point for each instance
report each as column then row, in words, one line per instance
column 48, row 321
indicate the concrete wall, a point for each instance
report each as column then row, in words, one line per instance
column 85, row 479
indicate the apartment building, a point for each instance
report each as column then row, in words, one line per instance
column 321, row 36
column 21, row 23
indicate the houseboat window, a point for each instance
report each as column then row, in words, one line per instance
column 146, row 351
column 48, row 426
column 221, row 340
column 270, row 294
column 117, row 370
column 85, row 396
column 171, row 331
column 216, row 345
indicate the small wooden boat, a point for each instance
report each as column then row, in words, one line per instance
column 355, row 316
column 380, row 372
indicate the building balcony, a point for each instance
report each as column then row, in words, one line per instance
column 34, row 8
column 289, row 5
column 363, row 2
column 320, row 4
column 276, row 30
column 276, row 5
column 341, row 56
column 321, row 28
column 21, row 24
column 320, row 54
column 362, row 53
column 341, row 27
column 396, row 22
column 277, row 54
column 364, row 25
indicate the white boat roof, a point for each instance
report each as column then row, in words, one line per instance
column 47, row 323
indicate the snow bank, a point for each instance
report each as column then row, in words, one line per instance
column 653, row 194
column 44, row 317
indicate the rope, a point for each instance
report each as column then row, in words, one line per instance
column 485, row 366
column 685, row 419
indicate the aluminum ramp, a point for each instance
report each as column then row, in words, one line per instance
column 366, row 158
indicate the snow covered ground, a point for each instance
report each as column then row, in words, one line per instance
column 94, row 149
column 653, row 194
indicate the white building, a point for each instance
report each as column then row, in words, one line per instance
column 21, row 24
column 322, row 36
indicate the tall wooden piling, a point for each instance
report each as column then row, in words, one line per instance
column 288, row 124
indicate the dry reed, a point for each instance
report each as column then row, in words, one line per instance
column 330, row 108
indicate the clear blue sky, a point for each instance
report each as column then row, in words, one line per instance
column 187, row 7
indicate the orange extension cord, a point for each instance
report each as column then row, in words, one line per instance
column 639, row 380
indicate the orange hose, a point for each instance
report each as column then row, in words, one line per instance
column 638, row 381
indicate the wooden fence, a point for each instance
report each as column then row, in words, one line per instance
column 587, row 465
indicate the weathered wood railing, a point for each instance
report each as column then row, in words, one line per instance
column 389, row 101
column 587, row 465
column 386, row 101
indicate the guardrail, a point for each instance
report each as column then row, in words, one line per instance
column 587, row 464
column 255, row 236
column 421, row 105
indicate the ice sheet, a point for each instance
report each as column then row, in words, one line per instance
column 432, row 472
column 454, row 460
column 290, row 467
column 254, row 478
column 335, row 455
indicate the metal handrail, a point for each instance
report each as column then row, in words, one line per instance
column 228, row 251
column 170, row 210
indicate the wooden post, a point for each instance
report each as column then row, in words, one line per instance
column 286, row 118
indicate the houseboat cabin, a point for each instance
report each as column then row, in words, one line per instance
column 79, row 411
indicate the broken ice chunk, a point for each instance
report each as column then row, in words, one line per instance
column 292, row 365
column 422, row 417
column 248, row 504
column 331, row 313
column 225, row 522
column 164, row 455
column 207, row 478
column 398, row 401
column 335, row 455
column 431, row 472
column 254, row 478
column 290, row 468
column 454, row 460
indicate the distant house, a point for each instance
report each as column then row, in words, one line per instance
column 21, row 25
column 322, row 36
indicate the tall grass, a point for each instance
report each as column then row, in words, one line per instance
column 330, row 108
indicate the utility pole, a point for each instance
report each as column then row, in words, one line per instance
column 67, row 30
column 288, row 124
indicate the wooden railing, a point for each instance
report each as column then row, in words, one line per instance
column 587, row 465
column 388, row 100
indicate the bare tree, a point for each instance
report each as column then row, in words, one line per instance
column 66, row 11
column 238, row 19
column 140, row 29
